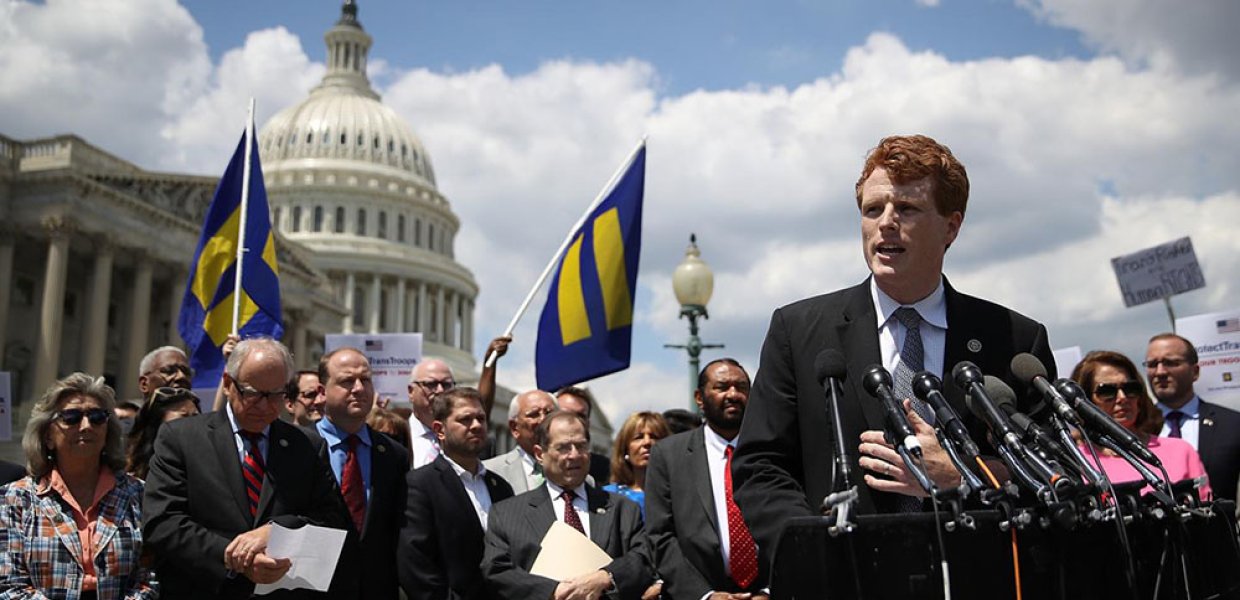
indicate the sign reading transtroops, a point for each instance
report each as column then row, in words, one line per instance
column 1159, row 272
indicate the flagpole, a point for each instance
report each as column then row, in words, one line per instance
column 490, row 359
column 245, row 201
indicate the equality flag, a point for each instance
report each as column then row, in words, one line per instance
column 586, row 327
column 207, row 312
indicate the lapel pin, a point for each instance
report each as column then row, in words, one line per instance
column 1208, row 422
column 598, row 511
column 381, row 448
column 284, row 443
column 974, row 345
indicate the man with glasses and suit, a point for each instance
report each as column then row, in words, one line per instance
column 518, row 466
column 163, row 367
column 428, row 379
column 218, row 481
column 1171, row 365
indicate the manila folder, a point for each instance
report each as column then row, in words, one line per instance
column 565, row 553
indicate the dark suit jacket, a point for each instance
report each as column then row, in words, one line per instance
column 195, row 502
column 1218, row 443
column 440, row 547
column 783, row 466
column 515, row 528
column 682, row 523
column 600, row 469
column 367, row 567
column 10, row 472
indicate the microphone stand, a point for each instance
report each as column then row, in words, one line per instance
column 839, row 504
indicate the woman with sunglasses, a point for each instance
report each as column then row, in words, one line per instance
column 165, row 404
column 1115, row 386
column 72, row 527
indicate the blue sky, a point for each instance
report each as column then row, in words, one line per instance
column 1090, row 129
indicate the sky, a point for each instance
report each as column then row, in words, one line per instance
column 1089, row 128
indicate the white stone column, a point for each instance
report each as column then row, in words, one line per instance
column 349, row 285
column 469, row 325
column 423, row 321
column 176, row 296
column 376, row 289
column 95, row 340
column 440, row 300
column 6, row 285
column 398, row 325
column 138, row 339
column 454, row 307
column 52, row 309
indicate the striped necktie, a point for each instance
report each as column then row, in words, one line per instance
column 254, row 469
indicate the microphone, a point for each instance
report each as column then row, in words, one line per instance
column 1099, row 421
column 829, row 368
column 1003, row 396
column 877, row 383
column 1030, row 371
column 929, row 389
column 970, row 379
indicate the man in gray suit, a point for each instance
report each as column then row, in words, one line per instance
column 515, row 527
column 518, row 467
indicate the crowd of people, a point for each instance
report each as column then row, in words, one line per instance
column 162, row 501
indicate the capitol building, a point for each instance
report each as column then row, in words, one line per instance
column 94, row 251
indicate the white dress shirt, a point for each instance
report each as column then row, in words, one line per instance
column 579, row 504
column 532, row 479
column 425, row 446
column 475, row 488
column 1190, row 424
column 717, row 460
column 891, row 333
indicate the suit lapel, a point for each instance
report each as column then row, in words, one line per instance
column 455, row 488
column 381, row 463
column 66, row 530
column 278, row 460
column 960, row 335
column 602, row 520
column 542, row 514
column 859, row 335
column 1205, row 429
column 698, row 461
column 222, row 439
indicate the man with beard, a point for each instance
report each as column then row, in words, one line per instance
column 1171, row 364
column 368, row 467
column 305, row 399
column 440, row 544
column 703, row 548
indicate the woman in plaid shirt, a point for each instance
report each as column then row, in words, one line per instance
column 72, row 529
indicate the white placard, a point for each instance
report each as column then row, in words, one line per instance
column 1066, row 359
column 1159, row 272
column 6, row 407
column 392, row 358
column 1216, row 336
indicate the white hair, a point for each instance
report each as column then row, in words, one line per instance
column 245, row 347
column 416, row 371
column 146, row 366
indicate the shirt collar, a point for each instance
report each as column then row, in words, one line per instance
column 932, row 308
column 556, row 491
column 526, row 458
column 53, row 481
column 715, row 442
column 1191, row 409
column 335, row 436
column 461, row 472
column 421, row 428
column 232, row 421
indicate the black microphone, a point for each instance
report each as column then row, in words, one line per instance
column 970, row 379
column 1003, row 397
column 1099, row 421
column 929, row 389
column 1029, row 370
column 829, row 367
column 877, row 383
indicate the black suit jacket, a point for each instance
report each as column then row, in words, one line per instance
column 440, row 547
column 515, row 528
column 783, row 466
column 367, row 567
column 682, row 523
column 10, row 472
column 1218, row 443
column 195, row 502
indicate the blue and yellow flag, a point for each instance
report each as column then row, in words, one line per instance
column 207, row 311
column 586, row 328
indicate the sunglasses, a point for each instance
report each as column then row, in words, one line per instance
column 170, row 394
column 73, row 416
column 1110, row 391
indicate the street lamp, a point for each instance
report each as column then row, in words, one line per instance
column 693, row 283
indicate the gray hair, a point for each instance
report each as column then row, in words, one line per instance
column 247, row 346
column 145, row 366
column 39, row 458
column 413, row 373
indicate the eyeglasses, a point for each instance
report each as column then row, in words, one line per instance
column 173, row 369
column 73, row 416
column 309, row 394
column 1110, row 391
column 250, row 395
column 1169, row 363
column 432, row 385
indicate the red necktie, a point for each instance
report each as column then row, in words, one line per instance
column 351, row 485
column 570, row 514
column 743, row 553
column 253, row 470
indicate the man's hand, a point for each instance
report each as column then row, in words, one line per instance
column 877, row 456
column 586, row 587
column 499, row 346
column 268, row 570
column 229, row 344
column 652, row 592
column 241, row 552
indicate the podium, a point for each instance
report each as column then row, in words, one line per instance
column 897, row 556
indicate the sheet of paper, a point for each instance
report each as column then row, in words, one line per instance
column 566, row 553
column 314, row 552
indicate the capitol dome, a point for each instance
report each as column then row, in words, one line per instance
column 347, row 178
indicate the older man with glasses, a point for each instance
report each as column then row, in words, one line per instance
column 1171, row 365
column 164, row 367
column 217, row 482
column 429, row 378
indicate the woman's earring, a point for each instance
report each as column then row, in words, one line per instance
column 626, row 457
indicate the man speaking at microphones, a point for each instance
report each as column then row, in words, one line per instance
column 906, row 317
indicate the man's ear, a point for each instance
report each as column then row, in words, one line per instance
column 538, row 453
column 437, row 427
